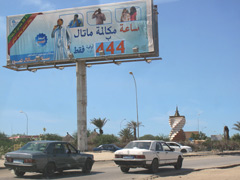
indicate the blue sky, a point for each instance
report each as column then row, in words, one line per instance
column 200, row 46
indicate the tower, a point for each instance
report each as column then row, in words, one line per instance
column 177, row 122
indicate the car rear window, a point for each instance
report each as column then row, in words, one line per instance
column 138, row 145
column 34, row 146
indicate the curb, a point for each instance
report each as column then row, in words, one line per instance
column 211, row 154
column 218, row 167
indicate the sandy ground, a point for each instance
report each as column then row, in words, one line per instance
column 209, row 174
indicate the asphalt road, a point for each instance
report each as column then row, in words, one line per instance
column 108, row 170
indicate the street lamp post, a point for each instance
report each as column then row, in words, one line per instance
column 27, row 119
column 136, row 103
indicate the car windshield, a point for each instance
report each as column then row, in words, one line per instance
column 34, row 146
column 138, row 145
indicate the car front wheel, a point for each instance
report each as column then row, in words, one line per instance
column 179, row 163
column 124, row 169
column 19, row 173
column 87, row 166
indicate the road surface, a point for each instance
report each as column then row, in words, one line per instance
column 108, row 170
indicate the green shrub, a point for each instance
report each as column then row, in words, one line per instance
column 105, row 139
column 236, row 137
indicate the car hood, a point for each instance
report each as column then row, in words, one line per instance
column 131, row 151
column 23, row 154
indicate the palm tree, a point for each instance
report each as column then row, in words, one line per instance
column 99, row 123
column 126, row 135
column 237, row 126
column 133, row 125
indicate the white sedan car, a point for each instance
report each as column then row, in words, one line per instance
column 178, row 147
column 148, row 154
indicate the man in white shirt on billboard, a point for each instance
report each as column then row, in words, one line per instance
column 62, row 41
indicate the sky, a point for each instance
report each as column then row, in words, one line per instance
column 199, row 43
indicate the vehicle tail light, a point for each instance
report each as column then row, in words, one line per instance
column 118, row 156
column 9, row 159
column 29, row 161
column 140, row 157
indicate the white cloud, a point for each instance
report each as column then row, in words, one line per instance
column 43, row 5
column 2, row 26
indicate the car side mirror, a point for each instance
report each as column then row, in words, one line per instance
column 172, row 149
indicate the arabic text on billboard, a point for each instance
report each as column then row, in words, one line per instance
column 82, row 32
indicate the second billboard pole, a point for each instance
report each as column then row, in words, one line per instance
column 81, row 105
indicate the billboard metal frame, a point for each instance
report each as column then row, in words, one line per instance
column 62, row 64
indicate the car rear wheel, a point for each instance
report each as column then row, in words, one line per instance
column 19, row 173
column 183, row 151
column 87, row 166
column 154, row 166
column 124, row 169
column 49, row 170
column 178, row 166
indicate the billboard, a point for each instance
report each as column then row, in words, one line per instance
column 117, row 30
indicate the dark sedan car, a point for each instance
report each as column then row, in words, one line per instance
column 107, row 147
column 47, row 157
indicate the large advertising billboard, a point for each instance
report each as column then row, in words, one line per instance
column 83, row 32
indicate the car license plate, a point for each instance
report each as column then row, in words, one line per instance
column 18, row 161
column 128, row 157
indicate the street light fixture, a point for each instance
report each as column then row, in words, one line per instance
column 27, row 119
column 131, row 73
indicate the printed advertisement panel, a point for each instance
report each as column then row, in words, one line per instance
column 83, row 32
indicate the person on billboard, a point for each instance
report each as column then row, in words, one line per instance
column 62, row 41
column 133, row 14
column 125, row 15
column 75, row 22
column 100, row 17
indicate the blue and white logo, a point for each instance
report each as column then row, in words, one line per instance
column 41, row 39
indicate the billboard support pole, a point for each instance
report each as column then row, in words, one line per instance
column 81, row 105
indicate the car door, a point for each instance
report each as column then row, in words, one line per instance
column 170, row 155
column 61, row 157
column 160, row 153
column 75, row 158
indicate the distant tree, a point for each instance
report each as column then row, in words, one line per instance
column 133, row 125
column 147, row 137
column 99, row 123
column 236, row 137
column 237, row 126
column 3, row 137
column 49, row 136
column 6, row 144
column 126, row 135
column 200, row 136
column 151, row 137
column 105, row 139
column 162, row 137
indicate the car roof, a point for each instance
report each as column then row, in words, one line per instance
column 148, row 141
column 48, row 141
